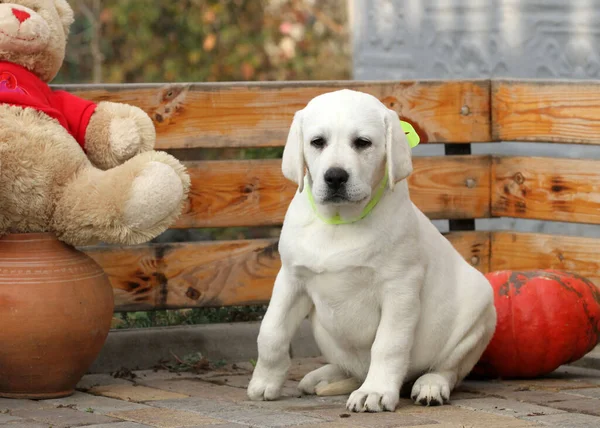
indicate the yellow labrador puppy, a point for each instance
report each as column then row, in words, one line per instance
column 390, row 300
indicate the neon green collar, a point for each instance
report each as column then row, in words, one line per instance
column 413, row 141
column 336, row 219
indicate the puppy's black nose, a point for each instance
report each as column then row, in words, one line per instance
column 336, row 177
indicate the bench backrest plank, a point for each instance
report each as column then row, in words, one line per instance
column 218, row 273
column 546, row 111
column 259, row 114
column 255, row 193
column 546, row 189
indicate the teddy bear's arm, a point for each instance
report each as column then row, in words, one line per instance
column 117, row 132
column 77, row 112
column 110, row 133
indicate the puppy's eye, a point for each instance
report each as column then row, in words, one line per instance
column 318, row 142
column 362, row 143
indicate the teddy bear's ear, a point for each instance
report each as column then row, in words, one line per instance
column 65, row 13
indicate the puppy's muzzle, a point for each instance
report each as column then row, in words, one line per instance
column 336, row 179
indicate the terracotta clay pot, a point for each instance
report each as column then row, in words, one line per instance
column 56, row 306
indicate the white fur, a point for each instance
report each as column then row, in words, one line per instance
column 390, row 300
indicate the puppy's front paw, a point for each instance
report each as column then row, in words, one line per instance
column 264, row 389
column 368, row 400
column 431, row 389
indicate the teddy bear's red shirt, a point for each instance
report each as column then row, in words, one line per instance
column 20, row 87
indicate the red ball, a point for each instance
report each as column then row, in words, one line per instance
column 546, row 318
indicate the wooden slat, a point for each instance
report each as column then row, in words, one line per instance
column 522, row 251
column 546, row 111
column 546, row 189
column 218, row 273
column 451, row 187
column 474, row 247
column 259, row 114
column 255, row 193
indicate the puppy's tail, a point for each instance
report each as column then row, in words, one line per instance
column 341, row 387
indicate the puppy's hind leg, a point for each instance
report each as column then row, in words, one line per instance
column 433, row 388
column 328, row 380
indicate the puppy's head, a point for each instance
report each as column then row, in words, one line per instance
column 348, row 141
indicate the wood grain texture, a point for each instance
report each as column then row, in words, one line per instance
column 546, row 111
column 190, row 274
column 218, row 273
column 255, row 193
column 522, row 251
column 259, row 114
column 474, row 247
column 546, row 189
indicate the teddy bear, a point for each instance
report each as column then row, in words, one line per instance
column 86, row 172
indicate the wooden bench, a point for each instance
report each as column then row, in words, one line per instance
column 459, row 187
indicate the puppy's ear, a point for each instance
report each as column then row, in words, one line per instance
column 292, row 164
column 398, row 156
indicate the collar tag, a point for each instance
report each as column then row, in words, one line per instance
column 411, row 134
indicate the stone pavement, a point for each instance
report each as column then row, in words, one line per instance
column 570, row 397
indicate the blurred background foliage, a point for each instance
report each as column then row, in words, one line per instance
column 134, row 41
column 156, row 41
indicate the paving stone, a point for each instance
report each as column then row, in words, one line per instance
column 587, row 392
column 162, row 375
column 92, row 380
column 247, row 366
column 290, row 387
column 495, row 388
column 344, row 424
column 547, row 384
column 382, row 419
column 13, row 404
column 123, row 425
column 264, row 418
column 567, row 420
column 228, row 369
column 292, row 404
column 465, row 395
column 577, row 373
column 166, row 418
column 195, row 404
column 244, row 414
column 235, row 381
column 198, row 388
column 505, row 407
column 326, row 425
column 4, row 418
column 63, row 417
column 25, row 424
column 590, row 406
column 98, row 404
column 565, row 377
column 464, row 417
column 226, row 425
column 540, row 397
column 134, row 393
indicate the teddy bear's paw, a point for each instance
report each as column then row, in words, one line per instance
column 156, row 195
column 125, row 140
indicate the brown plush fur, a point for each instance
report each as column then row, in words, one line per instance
column 45, row 63
column 133, row 128
column 123, row 193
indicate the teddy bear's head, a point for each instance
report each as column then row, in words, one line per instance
column 33, row 34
